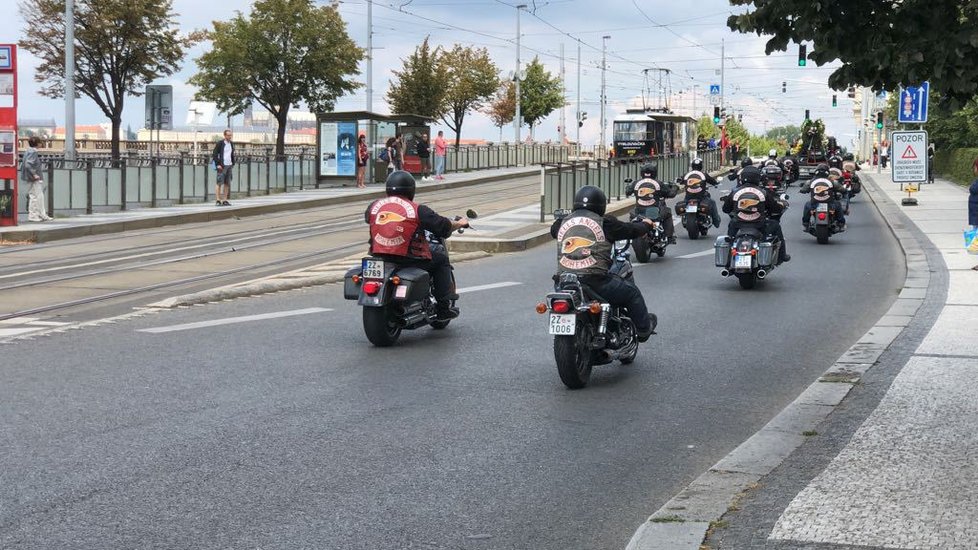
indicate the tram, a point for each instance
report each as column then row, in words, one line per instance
column 639, row 133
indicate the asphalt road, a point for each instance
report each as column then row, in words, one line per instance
column 295, row 433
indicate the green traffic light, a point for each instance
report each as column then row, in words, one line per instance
column 716, row 121
column 801, row 62
column 879, row 125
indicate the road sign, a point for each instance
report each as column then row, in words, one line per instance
column 909, row 156
column 913, row 104
column 714, row 89
column 714, row 100
column 159, row 107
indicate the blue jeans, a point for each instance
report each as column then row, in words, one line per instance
column 439, row 165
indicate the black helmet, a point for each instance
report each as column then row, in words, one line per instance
column 746, row 162
column 822, row 170
column 591, row 198
column 835, row 161
column 650, row 170
column 848, row 156
column 401, row 184
column 697, row 164
column 749, row 175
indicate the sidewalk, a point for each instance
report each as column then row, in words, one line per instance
column 143, row 218
column 879, row 452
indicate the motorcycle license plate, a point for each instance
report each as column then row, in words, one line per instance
column 563, row 324
column 373, row 269
column 822, row 207
column 742, row 262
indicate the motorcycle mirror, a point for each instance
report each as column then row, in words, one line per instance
column 471, row 214
column 784, row 197
column 561, row 213
column 629, row 180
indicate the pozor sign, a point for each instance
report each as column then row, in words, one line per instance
column 908, row 153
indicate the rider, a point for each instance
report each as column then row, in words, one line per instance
column 586, row 237
column 850, row 166
column 397, row 234
column 696, row 172
column 832, row 190
column 772, row 159
column 750, row 204
column 650, row 192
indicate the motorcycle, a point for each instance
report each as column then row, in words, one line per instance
column 823, row 221
column 396, row 298
column 587, row 330
column 694, row 211
column 774, row 178
column 750, row 255
column 655, row 241
column 790, row 174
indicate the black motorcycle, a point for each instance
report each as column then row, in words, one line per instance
column 750, row 255
column 694, row 211
column 394, row 297
column 823, row 221
column 587, row 330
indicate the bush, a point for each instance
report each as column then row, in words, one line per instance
column 955, row 164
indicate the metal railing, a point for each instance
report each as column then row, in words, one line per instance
column 484, row 157
column 561, row 180
column 89, row 185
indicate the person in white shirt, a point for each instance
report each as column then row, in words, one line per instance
column 224, row 159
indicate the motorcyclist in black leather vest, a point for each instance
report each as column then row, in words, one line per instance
column 821, row 176
column 750, row 204
column 585, row 239
column 650, row 192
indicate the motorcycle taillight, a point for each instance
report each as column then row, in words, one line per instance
column 822, row 216
column 561, row 306
column 371, row 288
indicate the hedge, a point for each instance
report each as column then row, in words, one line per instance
column 955, row 164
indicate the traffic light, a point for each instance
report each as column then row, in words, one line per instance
column 583, row 117
column 784, row 87
column 852, row 92
column 835, row 102
column 879, row 120
column 806, row 114
column 716, row 115
column 802, row 54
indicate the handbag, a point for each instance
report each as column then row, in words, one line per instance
column 971, row 240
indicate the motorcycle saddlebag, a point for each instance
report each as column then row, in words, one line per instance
column 721, row 251
column 765, row 254
column 351, row 290
column 415, row 284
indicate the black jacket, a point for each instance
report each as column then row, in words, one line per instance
column 423, row 150
column 218, row 156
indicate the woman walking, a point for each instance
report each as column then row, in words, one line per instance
column 30, row 173
column 973, row 201
column 391, row 154
column 363, row 155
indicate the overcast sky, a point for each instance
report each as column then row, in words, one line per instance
column 683, row 37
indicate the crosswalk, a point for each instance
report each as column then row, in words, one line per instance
column 18, row 326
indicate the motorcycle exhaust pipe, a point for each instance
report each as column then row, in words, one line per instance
column 761, row 273
column 414, row 320
column 725, row 272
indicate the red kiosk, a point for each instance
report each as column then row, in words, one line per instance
column 8, row 134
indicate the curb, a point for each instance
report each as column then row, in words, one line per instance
column 34, row 236
column 274, row 283
column 685, row 520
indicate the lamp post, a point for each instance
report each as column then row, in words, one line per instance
column 70, row 80
column 604, row 99
column 518, row 74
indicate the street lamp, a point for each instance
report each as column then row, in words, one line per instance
column 196, row 114
column 518, row 74
column 604, row 99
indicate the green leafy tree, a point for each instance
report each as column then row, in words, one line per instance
column 502, row 109
column 880, row 44
column 705, row 128
column 472, row 80
column 540, row 93
column 285, row 52
column 419, row 87
column 120, row 46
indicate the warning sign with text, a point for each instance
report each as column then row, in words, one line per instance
column 909, row 156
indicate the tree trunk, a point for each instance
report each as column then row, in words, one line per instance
column 283, row 121
column 116, row 124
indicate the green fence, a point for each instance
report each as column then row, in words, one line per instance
column 483, row 157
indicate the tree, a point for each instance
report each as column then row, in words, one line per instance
column 284, row 53
column 540, row 93
column 419, row 87
column 120, row 46
column 903, row 42
column 472, row 79
column 706, row 128
column 502, row 109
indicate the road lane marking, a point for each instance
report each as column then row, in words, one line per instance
column 487, row 287
column 235, row 320
column 697, row 254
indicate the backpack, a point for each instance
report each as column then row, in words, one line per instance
column 385, row 155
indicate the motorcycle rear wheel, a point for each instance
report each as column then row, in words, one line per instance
column 380, row 326
column 573, row 356
column 693, row 230
column 822, row 234
column 747, row 280
column 641, row 246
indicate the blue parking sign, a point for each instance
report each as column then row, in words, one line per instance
column 912, row 108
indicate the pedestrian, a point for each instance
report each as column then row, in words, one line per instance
column 398, row 153
column 30, row 174
column 363, row 155
column 876, row 155
column 930, row 163
column 424, row 155
column 973, row 201
column 884, row 153
column 735, row 153
column 224, row 160
column 440, row 149
column 391, row 154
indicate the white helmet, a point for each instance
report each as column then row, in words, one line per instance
column 773, row 154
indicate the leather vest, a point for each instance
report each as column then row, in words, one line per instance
column 750, row 204
column 395, row 229
column 647, row 192
column 695, row 184
column 582, row 246
column 822, row 189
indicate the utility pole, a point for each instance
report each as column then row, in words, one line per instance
column 370, row 56
column 604, row 99
column 723, row 60
column 563, row 97
column 579, row 100
column 695, row 114
column 70, row 80
column 517, row 76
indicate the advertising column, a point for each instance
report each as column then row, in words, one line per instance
column 8, row 134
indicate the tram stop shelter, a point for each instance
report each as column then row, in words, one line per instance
column 336, row 144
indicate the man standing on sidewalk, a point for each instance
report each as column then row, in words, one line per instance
column 424, row 155
column 224, row 161
column 440, row 148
